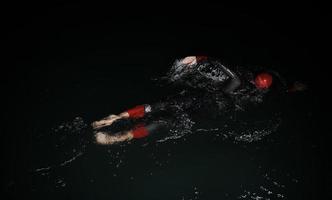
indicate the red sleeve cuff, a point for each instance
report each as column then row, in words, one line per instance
column 140, row 132
column 136, row 112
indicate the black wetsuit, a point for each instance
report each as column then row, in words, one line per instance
column 207, row 89
column 204, row 87
column 208, row 74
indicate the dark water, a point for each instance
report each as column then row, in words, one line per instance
column 72, row 72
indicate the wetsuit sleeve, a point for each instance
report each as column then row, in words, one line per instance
column 139, row 111
column 140, row 131
column 234, row 81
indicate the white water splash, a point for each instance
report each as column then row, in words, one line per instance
column 43, row 169
column 182, row 128
column 194, row 195
column 272, row 189
column 61, row 136
column 71, row 160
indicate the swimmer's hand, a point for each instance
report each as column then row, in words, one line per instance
column 107, row 121
column 189, row 60
column 297, row 87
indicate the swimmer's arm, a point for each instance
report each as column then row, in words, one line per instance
column 295, row 87
column 124, row 115
column 107, row 121
column 234, row 83
column 136, row 112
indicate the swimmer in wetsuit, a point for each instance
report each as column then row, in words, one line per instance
column 205, row 75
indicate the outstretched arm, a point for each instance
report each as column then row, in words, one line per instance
column 136, row 112
column 297, row 87
column 234, row 81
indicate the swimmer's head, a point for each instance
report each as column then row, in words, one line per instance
column 263, row 80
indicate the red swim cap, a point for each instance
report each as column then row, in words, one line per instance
column 263, row 81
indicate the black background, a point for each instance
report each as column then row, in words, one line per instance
column 51, row 45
